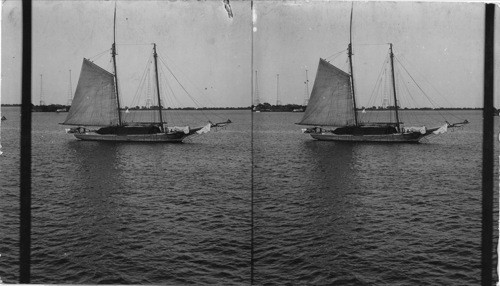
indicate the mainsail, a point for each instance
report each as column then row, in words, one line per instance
column 94, row 103
column 331, row 102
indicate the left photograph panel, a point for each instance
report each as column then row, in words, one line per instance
column 141, row 142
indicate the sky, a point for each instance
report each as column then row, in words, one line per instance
column 212, row 52
column 443, row 41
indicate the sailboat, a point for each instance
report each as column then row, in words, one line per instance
column 96, row 110
column 333, row 112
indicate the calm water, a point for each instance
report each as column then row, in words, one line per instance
column 325, row 213
column 130, row 213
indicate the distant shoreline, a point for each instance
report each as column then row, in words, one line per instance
column 270, row 108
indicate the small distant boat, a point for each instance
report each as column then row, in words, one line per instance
column 61, row 110
column 298, row 110
column 96, row 103
column 3, row 118
column 332, row 110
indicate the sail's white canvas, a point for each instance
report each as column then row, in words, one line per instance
column 94, row 103
column 331, row 102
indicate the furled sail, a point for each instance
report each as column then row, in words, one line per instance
column 331, row 102
column 94, row 103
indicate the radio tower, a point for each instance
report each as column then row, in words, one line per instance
column 41, row 91
column 70, row 91
column 257, row 100
column 385, row 102
column 148, row 99
column 306, row 98
column 278, row 101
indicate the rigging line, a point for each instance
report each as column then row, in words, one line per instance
column 368, row 44
column 430, row 84
column 419, row 87
column 432, row 102
column 336, row 54
column 406, row 86
column 402, row 84
column 190, row 96
column 188, row 79
column 377, row 89
column 380, row 76
column 94, row 58
column 142, row 80
column 182, row 86
column 130, row 44
column 173, row 95
column 165, row 82
column 171, row 72
column 171, row 100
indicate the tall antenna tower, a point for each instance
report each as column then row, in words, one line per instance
column 278, row 101
column 385, row 102
column 70, row 91
column 257, row 100
column 41, row 91
column 148, row 98
column 306, row 98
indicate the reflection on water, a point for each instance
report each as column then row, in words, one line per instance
column 331, row 163
column 97, row 185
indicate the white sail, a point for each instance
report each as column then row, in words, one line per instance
column 94, row 103
column 331, row 102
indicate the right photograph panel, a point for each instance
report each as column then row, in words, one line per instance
column 367, row 135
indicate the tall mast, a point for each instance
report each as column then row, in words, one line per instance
column 349, row 53
column 158, row 86
column 394, row 87
column 113, row 53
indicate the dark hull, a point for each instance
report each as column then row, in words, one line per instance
column 147, row 133
column 380, row 133
column 158, row 137
column 396, row 137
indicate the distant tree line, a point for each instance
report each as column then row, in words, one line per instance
column 260, row 107
column 279, row 108
column 49, row 108
column 391, row 107
column 156, row 107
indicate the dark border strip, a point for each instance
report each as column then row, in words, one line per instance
column 252, row 153
column 488, row 139
column 25, row 186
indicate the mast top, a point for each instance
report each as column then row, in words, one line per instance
column 349, row 53
column 350, row 26
column 114, row 27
